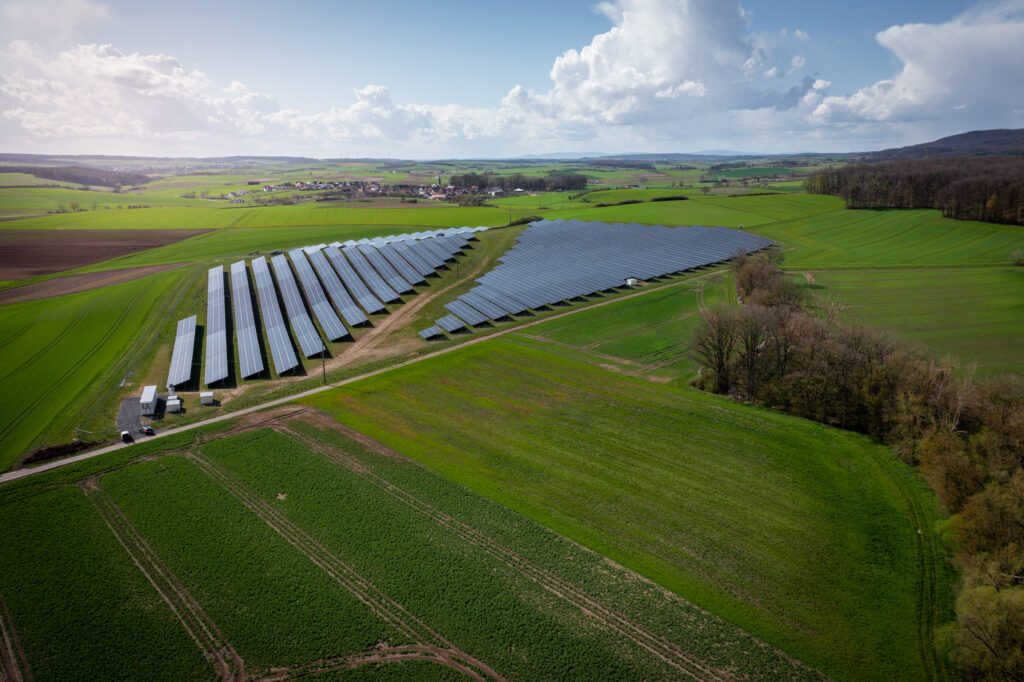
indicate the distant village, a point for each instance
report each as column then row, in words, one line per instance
column 331, row 190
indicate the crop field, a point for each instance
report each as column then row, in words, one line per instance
column 286, row 547
column 800, row 534
column 63, row 354
column 300, row 215
column 975, row 314
column 874, row 238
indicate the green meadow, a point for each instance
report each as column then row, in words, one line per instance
column 66, row 356
column 801, row 534
column 974, row 314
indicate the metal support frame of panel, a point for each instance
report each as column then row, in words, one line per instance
column 309, row 339
column 273, row 323
column 249, row 357
column 316, row 297
column 216, row 368
column 184, row 347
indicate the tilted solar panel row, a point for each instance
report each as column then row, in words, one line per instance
column 309, row 339
column 413, row 257
column 556, row 261
column 380, row 288
column 316, row 297
column 383, row 268
column 336, row 290
column 467, row 313
column 181, row 358
column 249, row 356
column 216, row 327
column 359, row 290
column 273, row 323
column 400, row 264
column 430, row 333
column 450, row 324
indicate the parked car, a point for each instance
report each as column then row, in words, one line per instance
column 146, row 430
column 126, row 437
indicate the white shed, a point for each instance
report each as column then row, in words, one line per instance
column 147, row 403
column 173, row 403
column 206, row 398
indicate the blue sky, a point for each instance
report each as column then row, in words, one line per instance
column 477, row 78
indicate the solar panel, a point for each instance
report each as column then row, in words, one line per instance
column 339, row 296
column 184, row 346
column 560, row 260
column 305, row 332
column 450, row 323
column 216, row 327
column 277, row 334
column 373, row 280
column 431, row 333
column 249, row 356
column 316, row 297
column 400, row 264
column 466, row 312
column 413, row 258
column 352, row 281
column 381, row 265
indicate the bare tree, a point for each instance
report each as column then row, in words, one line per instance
column 714, row 342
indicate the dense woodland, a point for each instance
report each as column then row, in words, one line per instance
column 550, row 183
column 81, row 175
column 968, row 188
column 784, row 351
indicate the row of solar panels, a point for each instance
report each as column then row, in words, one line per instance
column 353, row 279
column 562, row 260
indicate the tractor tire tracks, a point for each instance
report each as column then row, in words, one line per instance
column 383, row 606
column 638, row 634
column 13, row 664
column 203, row 631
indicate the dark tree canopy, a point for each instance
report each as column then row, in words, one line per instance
column 966, row 188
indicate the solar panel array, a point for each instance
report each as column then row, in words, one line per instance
column 249, row 356
column 273, row 324
column 316, row 297
column 303, row 327
column 181, row 358
column 216, row 327
column 561, row 260
column 350, row 278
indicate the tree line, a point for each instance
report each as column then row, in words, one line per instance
column 968, row 188
column 783, row 351
column 531, row 183
column 81, row 175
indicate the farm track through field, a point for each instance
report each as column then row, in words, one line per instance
column 200, row 627
column 14, row 336
column 926, row 606
column 614, row 620
column 375, row 655
column 383, row 606
column 13, row 664
column 45, row 348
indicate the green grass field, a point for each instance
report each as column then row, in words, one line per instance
column 974, row 314
column 67, row 355
column 300, row 547
column 799, row 533
column 299, row 215
column 897, row 238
